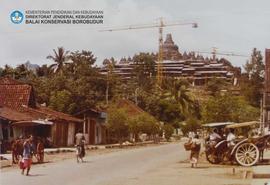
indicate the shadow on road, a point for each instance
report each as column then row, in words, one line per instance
column 85, row 162
column 35, row 175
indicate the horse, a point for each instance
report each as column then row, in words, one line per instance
column 37, row 150
column 262, row 144
column 17, row 150
column 40, row 151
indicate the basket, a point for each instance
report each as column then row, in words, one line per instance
column 21, row 164
column 187, row 146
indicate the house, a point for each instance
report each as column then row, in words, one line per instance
column 94, row 127
column 20, row 115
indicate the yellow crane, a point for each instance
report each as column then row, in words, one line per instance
column 160, row 25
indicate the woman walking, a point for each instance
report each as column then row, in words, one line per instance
column 195, row 151
column 27, row 155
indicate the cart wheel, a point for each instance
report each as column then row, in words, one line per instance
column 212, row 157
column 247, row 154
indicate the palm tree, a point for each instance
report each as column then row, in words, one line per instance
column 60, row 58
column 21, row 71
column 178, row 90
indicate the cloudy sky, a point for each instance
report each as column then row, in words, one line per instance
column 230, row 25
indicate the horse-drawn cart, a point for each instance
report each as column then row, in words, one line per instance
column 247, row 149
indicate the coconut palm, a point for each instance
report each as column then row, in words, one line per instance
column 60, row 58
column 178, row 90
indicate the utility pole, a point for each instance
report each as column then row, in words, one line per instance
column 107, row 90
column 109, row 70
column 266, row 92
column 160, row 54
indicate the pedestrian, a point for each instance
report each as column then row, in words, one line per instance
column 80, row 141
column 27, row 155
column 195, row 151
column 191, row 134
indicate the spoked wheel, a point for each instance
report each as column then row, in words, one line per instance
column 212, row 157
column 247, row 154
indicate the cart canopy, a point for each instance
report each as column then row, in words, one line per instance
column 244, row 124
column 218, row 124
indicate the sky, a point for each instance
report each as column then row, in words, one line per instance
column 230, row 25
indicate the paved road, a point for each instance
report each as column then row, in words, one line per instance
column 106, row 169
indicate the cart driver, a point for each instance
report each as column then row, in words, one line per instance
column 231, row 138
column 214, row 137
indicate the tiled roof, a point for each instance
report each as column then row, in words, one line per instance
column 49, row 114
column 130, row 107
column 17, row 103
column 14, row 94
column 39, row 113
column 9, row 81
column 13, row 115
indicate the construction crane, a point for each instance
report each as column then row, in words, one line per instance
column 160, row 25
column 214, row 53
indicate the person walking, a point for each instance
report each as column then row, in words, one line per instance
column 80, row 141
column 195, row 151
column 27, row 155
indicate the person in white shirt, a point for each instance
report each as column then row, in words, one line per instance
column 195, row 151
column 191, row 135
column 231, row 138
column 214, row 135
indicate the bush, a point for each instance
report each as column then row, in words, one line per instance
column 168, row 130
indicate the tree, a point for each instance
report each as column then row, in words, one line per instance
column 118, row 123
column 21, row 71
column 252, row 80
column 168, row 131
column 8, row 71
column 144, row 69
column 169, row 111
column 143, row 123
column 223, row 108
column 82, row 62
column 191, row 124
column 177, row 90
column 215, row 85
column 59, row 58
column 62, row 101
column 134, row 127
column 43, row 71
